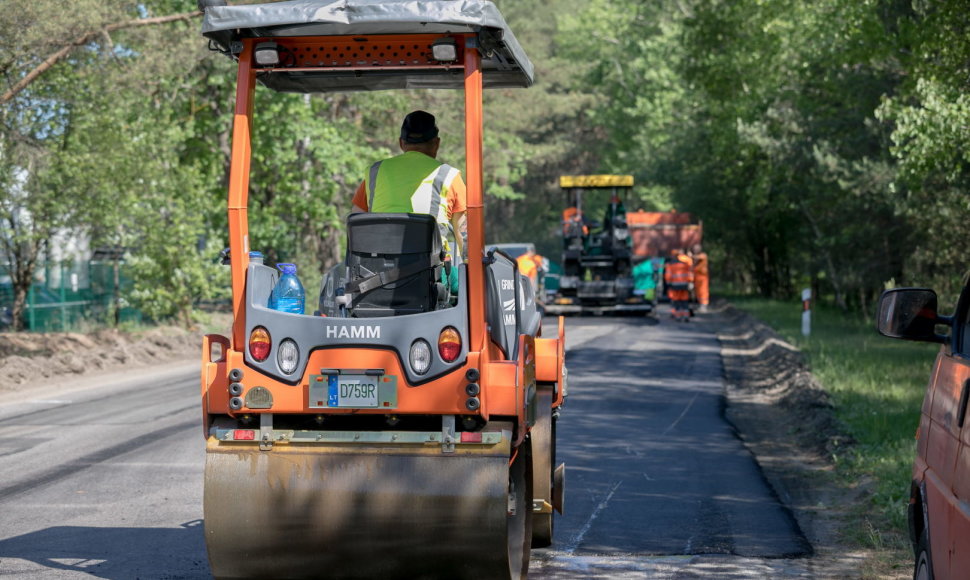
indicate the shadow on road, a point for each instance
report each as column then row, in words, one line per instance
column 112, row 553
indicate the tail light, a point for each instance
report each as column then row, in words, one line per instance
column 259, row 344
column 449, row 344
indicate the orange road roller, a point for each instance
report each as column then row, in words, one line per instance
column 407, row 429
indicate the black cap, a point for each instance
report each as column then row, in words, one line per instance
column 418, row 127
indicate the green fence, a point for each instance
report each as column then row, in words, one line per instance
column 65, row 296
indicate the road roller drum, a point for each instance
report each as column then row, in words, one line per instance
column 302, row 511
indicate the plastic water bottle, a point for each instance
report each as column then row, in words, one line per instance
column 255, row 257
column 288, row 294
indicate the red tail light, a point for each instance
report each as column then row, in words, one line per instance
column 449, row 344
column 259, row 344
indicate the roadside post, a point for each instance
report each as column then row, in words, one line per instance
column 806, row 311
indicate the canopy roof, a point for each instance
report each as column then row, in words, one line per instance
column 369, row 22
column 592, row 181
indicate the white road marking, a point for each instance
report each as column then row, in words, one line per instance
column 682, row 413
column 571, row 548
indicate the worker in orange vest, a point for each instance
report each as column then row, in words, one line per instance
column 678, row 279
column 701, row 277
column 574, row 228
column 530, row 264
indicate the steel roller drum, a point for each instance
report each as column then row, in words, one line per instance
column 306, row 511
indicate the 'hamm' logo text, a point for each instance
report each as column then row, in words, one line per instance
column 373, row 331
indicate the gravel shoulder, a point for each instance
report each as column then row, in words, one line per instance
column 787, row 419
column 67, row 360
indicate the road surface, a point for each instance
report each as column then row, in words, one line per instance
column 103, row 478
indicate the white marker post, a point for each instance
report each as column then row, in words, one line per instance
column 806, row 311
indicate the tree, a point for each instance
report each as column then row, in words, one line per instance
column 66, row 77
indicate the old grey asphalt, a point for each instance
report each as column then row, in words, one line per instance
column 103, row 478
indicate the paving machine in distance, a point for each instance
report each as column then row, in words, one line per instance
column 597, row 267
column 405, row 432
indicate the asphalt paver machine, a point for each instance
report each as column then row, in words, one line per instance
column 405, row 437
column 597, row 269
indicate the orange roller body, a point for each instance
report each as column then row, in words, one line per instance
column 389, row 445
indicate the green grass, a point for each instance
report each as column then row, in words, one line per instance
column 877, row 386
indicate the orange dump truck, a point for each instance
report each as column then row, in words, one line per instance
column 404, row 431
column 658, row 233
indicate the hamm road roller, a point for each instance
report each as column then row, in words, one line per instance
column 405, row 430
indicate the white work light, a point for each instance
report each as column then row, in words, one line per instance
column 267, row 54
column 444, row 49
column 288, row 356
column 420, row 356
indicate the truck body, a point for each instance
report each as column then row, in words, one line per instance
column 939, row 521
column 657, row 233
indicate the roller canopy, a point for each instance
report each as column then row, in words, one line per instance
column 504, row 62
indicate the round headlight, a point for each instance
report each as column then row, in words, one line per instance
column 288, row 356
column 420, row 356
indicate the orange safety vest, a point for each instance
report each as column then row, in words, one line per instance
column 678, row 275
column 527, row 266
column 571, row 215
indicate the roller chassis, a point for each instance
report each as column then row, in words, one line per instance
column 448, row 472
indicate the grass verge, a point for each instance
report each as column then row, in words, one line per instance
column 877, row 386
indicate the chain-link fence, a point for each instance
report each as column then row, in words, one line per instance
column 69, row 295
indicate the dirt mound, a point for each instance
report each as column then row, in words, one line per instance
column 759, row 364
column 786, row 418
column 26, row 358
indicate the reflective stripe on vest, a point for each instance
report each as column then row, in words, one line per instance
column 678, row 272
column 373, row 184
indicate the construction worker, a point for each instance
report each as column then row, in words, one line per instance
column 529, row 266
column 542, row 266
column 615, row 210
column 678, row 278
column 574, row 228
column 416, row 182
column 701, row 277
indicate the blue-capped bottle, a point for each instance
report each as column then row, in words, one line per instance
column 288, row 294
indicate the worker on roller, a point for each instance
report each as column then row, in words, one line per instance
column 678, row 279
column 416, row 182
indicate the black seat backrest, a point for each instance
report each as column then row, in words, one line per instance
column 395, row 260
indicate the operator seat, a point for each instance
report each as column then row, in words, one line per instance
column 394, row 263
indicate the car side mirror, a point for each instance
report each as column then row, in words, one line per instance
column 910, row 314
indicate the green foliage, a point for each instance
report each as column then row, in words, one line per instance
column 823, row 144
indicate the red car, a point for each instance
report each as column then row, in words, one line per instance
column 939, row 507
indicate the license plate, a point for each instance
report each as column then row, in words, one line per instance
column 352, row 391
